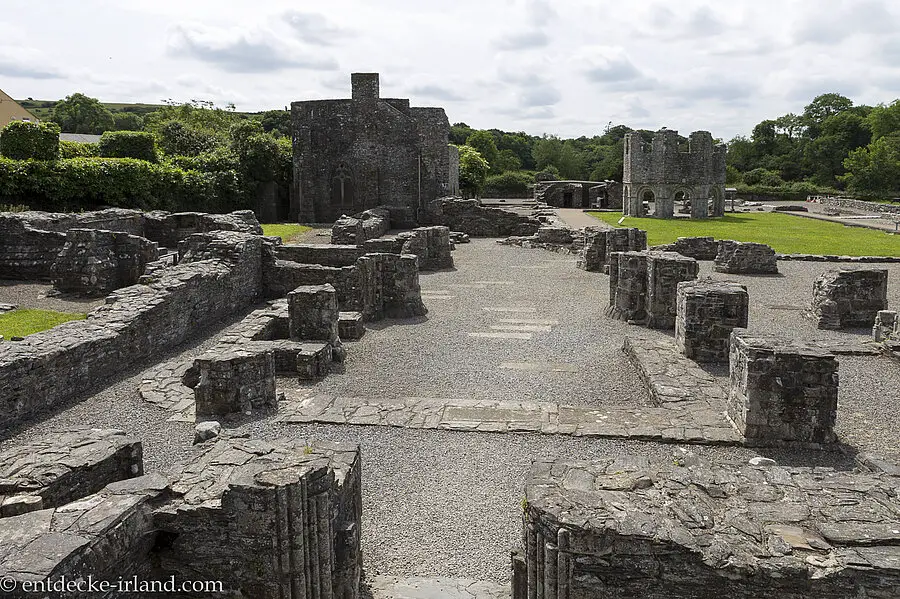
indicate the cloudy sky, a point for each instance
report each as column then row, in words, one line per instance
column 567, row 67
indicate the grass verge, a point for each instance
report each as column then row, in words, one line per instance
column 288, row 232
column 785, row 233
column 26, row 321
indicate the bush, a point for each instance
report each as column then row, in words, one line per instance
column 21, row 140
column 178, row 139
column 796, row 191
column 128, row 144
column 761, row 176
column 550, row 173
column 511, row 184
column 75, row 149
column 121, row 182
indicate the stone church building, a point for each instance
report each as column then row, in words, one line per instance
column 350, row 155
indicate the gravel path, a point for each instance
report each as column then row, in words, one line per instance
column 28, row 294
column 449, row 504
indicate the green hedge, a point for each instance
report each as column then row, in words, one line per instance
column 22, row 140
column 511, row 184
column 75, row 149
column 128, row 144
column 122, row 182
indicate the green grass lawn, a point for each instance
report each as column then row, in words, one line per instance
column 784, row 233
column 26, row 321
column 288, row 232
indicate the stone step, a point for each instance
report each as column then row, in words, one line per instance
column 350, row 326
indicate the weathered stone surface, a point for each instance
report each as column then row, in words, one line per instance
column 887, row 326
column 169, row 229
column 699, row 248
column 627, row 527
column 781, row 392
column 845, row 299
column 354, row 230
column 389, row 287
column 204, row 431
column 313, row 314
column 665, row 270
column 431, row 245
column 592, row 249
column 707, row 313
column 459, row 237
column 419, row 587
column 350, row 326
column 471, row 218
column 235, row 380
column 325, row 254
column 625, row 240
column 94, row 262
column 314, row 360
column 628, row 286
column 269, row 520
column 740, row 257
column 68, row 466
column 27, row 253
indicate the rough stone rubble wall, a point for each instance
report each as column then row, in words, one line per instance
column 470, row 217
column 27, row 253
column 642, row 285
column 738, row 257
column 699, row 248
column 220, row 273
column 844, row 299
column 356, row 229
column 431, row 245
column 95, row 262
column 860, row 205
column 707, row 313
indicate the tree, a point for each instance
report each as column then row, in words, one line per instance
column 875, row 169
column 128, row 121
column 277, row 122
column 507, row 160
column 459, row 133
column 473, row 170
column 884, row 120
column 546, row 151
column 484, row 142
column 80, row 114
column 822, row 107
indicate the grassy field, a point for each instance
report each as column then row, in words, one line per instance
column 26, row 321
column 288, row 232
column 785, row 233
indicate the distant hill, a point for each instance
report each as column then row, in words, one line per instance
column 42, row 109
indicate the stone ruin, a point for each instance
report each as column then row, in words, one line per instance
column 707, row 312
column 595, row 244
column 605, row 195
column 844, row 299
column 781, row 391
column 471, row 218
column 698, row 248
column 263, row 520
column 631, row 528
column 642, row 286
column 663, row 173
column 886, row 331
column 739, row 257
column 96, row 262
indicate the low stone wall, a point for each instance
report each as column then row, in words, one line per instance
column 219, row 274
column 861, row 205
column 832, row 258
column 707, row 313
column 325, row 254
column 665, row 271
column 470, row 217
column 738, row 257
column 122, row 220
column 284, row 276
column 628, row 285
column 168, row 229
column 431, row 245
column 354, row 230
column 887, row 326
column 699, row 248
column 781, row 392
column 27, row 253
column 95, row 262
column 235, row 380
column 591, row 243
column 631, row 528
column 844, row 299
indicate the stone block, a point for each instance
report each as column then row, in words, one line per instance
column 625, row 240
column 738, row 257
column 665, row 270
column 431, row 245
column 629, row 296
column 350, row 326
column 781, row 392
column 314, row 361
column 844, row 299
column 592, row 249
column 887, row 326
column 707, row 312
column 699, row 248
column 95, row 262
column 234, row 380
column 313, row 312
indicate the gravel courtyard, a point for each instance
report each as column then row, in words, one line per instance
column 509, row 324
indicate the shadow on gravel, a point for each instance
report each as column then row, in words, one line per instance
column 391, row 322
column 839, row 456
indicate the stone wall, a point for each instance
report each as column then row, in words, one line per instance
column 168, row 229
column 431, row 245
column 625, row 240
column 781, row 392
column 627, row 527
column 235, row 381
column 707, row 313
column 592, row 248
column 27, row 253
column 219, row 274
column 325, row 254
column 699, row 248
column 844, row 299
column 356, row 229
column 887, row 326
column 738, row 257
column 860, row 205
column 628, row 285
column 470, row 217
column 95, row 262
column 665, row 270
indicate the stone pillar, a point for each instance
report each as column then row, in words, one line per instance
column 887, row 326
column 631, row 286
column 844, row 299
column 699, row 206
column 740, row 257
column 625, row 240
column 592, row 255
column 313, row 313
column 235, row 381
column 707, row 312
column 664, row 271
column 431, row 245
column 781, row 392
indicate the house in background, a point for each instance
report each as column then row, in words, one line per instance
column 10, row 110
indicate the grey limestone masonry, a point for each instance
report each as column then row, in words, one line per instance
column 665, row 270
column 665, row 172
column 887, row 326
column 471, row 218
column 267, row 520
column 631, row 528
column 592, row 249
column 625, row 240
column 236, row 381
column 369, row 224
column 699, row 248
column 845, row 299
column 95, row 262
column 367, row 151
column 54, row 471
column 313, row 314
column 324, row 254
column 579, row 194
column 707, row 312
column 739, row 257
column 860, row 205
column 219, row 274
column 628, row 285
column 431, row 245
column 781, row 392
column 27, row 253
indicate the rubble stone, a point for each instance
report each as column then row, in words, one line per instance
column 699, row 248
column 707, row 312
column 887, row 326
column 94, row 262
column 235, row 381
column 844, row 299
column 739, row 257
column 665, row 270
